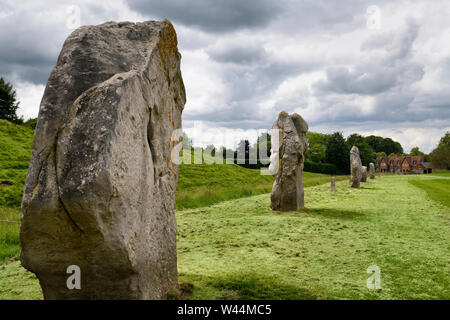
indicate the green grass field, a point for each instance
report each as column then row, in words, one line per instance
column 240, row 249
column 436, row 189
column 15, row 151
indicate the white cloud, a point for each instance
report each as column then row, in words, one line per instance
column 30, row 96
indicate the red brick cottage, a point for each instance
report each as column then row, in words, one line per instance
column 403, row 164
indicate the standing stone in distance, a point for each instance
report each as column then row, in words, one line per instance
column 289, row 133
column 355, row 167
column 363, row 174
column 372, row 170
column 100, row 190
column 333, row 185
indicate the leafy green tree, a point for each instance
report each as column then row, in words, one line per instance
column 316, row 153
column 243, row 150
column 8, row 102
column 366, row 153
column 263, row 141
column 440, row 156
column 337, row 152
column 354, row 139
column 445, row 140
column 210, row 149
column 317, row 138
column 317, row 146
column 187, row 142
column 386, row 145
column 415, row 152
column 31, row 123
column 381, row 154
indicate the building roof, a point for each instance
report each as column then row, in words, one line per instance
column 427, row 165
column 409, row 159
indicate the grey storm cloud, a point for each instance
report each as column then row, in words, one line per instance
column 212, row 16
column 27, row 51
column 342, row 80
column 32, row 35
column 247, row 86
column 242, row 54
column 380, row 73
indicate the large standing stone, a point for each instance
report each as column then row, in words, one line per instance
column 100, row 189
column 363, row 174
column 289, row 134
column 355, row 167
column 372, row 170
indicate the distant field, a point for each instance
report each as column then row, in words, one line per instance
column 437, row 189
column 442, row 173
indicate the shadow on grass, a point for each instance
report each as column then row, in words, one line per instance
column 253, row 286
column 370, row 188
column 324, row 212
column 337, row 214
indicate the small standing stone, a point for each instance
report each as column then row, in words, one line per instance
column 372, row 170
column 333, row 185
column 363, row 174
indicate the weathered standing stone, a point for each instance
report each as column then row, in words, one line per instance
column 355, row 167
column 363, row 174
column 289, row 133
column 100, row 190
column 372, row 170
column 333, row 185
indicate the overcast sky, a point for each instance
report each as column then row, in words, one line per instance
column 372, row 67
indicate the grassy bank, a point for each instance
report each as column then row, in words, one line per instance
column 15, row 151
column 436, row 189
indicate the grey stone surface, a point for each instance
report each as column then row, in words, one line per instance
column 363, row 174
column 355, row 167
column 333, row 185
column 100, row 190
column 287, row 162
column 372, row 170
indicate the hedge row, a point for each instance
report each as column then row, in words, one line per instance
column 318, row 167
column 326, row 168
